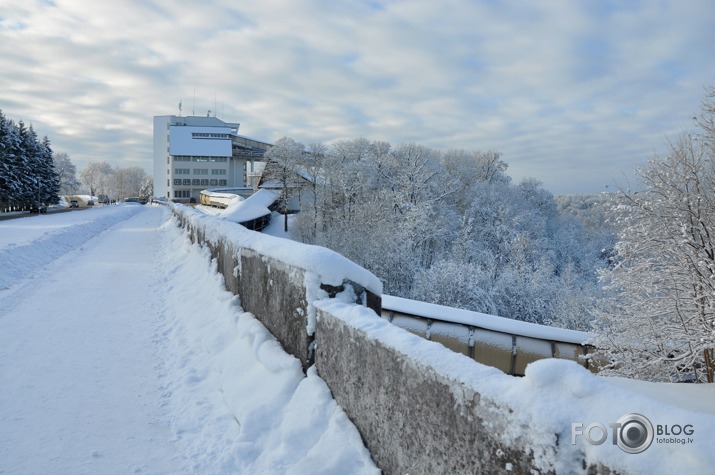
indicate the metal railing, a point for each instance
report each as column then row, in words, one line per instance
column 506, row 344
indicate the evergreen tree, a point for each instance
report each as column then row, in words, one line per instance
column 10, row 163
column 27, row 174
column 49, row 180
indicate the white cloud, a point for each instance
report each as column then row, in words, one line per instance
column 574, row 94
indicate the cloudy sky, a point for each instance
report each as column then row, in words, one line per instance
column 573, row 93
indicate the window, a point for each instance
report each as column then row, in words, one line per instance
column 222, row 183
column 221, row 171
column 168, row 182
column 177, row 181
column 201, row 171
column 213, row 182
column 187, row 181
column 201, row 135
column 204, row 182
column 195, row 181
column 182, row 171
column 197, row 158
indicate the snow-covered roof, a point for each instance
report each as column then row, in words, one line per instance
column 253, row 207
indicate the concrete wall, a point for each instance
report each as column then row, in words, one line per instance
column 276, row 293
column 413, row 418
column 406, row 413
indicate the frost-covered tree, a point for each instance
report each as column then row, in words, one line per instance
column 410, row 214
column 284, row 160
column 127, row 182
column 66, row 173
column 312, row 168
column 147, row 188
column 96, row 177
column 659, row 323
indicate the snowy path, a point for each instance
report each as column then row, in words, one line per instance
column 120, row 352
column 79, row 389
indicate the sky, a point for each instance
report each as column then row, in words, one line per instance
column 574, row 94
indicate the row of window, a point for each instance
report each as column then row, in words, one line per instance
column 197, row 182
column 200, row 135
column 199, row 171
column 192, row 158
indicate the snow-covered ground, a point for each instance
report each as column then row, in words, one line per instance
column 120, row 352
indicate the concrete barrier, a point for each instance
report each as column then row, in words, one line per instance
column 415, row 416
column 277, row 280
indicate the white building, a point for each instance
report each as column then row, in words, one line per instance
column 195, row 153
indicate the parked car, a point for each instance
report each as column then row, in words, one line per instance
column 38, row 209
column 74, row 204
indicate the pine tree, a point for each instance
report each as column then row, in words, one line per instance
column 49, row 180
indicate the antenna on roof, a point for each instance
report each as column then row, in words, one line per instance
column 193, row 106
column 214, row 104
column 179, row 107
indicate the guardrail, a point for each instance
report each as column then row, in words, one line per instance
column 503, row 343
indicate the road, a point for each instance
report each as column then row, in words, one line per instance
column 79, row 391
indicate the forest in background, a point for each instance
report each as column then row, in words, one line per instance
column 449, row 228
column 635, row 267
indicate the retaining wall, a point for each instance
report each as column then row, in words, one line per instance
column 414, row 416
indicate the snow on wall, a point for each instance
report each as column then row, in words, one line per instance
column 424, row 409
column 331, row 267
column 278, row 279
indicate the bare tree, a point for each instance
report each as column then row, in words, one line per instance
column 96, row 176
column 128, row 182
column 284, row 159
column 66, row 172
column 660, row 323
column 313, row 165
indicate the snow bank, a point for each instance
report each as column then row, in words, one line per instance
column 242, row 404
column 538, row 412
column 29, row 250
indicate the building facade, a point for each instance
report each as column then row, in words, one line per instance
column 196, row 153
